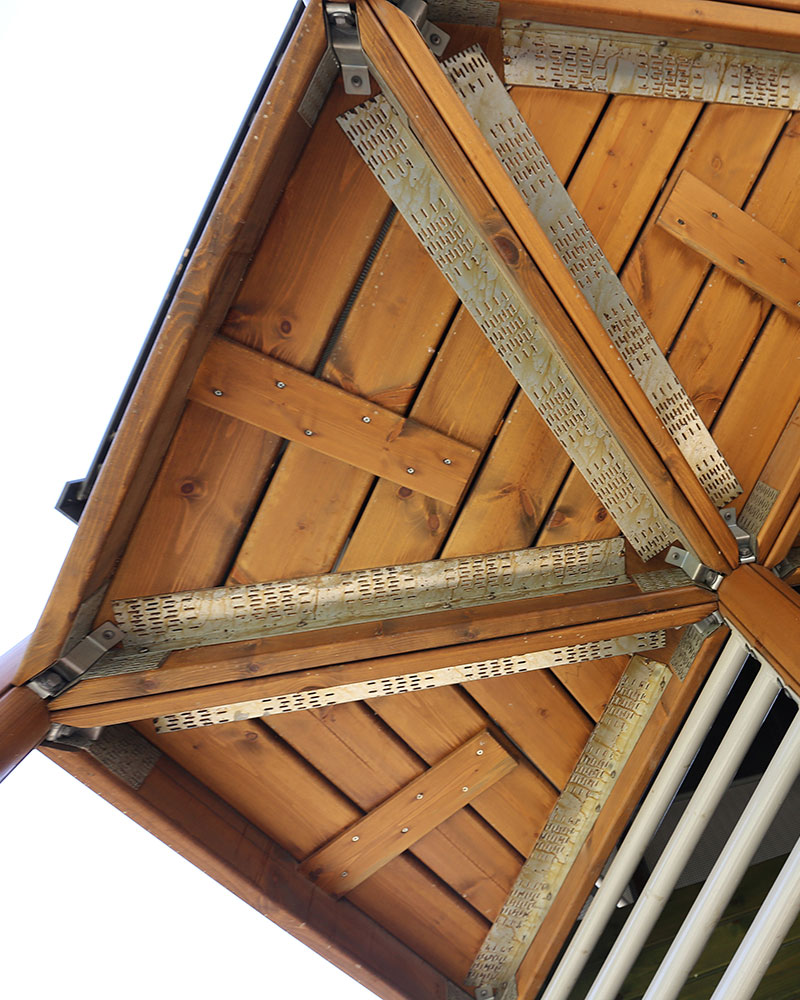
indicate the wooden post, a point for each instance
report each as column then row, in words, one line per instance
column 767, row 613
column 24, row 721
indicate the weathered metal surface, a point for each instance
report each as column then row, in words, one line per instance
column 757, row 507
column 307, row 699
column 690, row 643
column 508, row 134
column 480, row 12
column 231, row 614
column 659, row 579
column 570, row 823
column 129, row 756
column 615, row 62
column 478, row 276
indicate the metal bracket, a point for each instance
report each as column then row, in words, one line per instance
column 503, row 991
column 697, row 572
column 346, row 43
column 64, row 737
column 748, row 547
column 72, row 665
column 417, row 11
column 708, row 626
column 788, row 565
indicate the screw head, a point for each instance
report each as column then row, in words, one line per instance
column 366, row 420
column 280, row 385
column 708, row 45
column 662, row 42
column 355, row 839
column 435, row 39
column 308, row 433
column 404, row 830
column 681, row 222
column 356, row 81
column 447, row 461
column 420, row 795
column 479, row 753
column 783, row 260
column 218, row 392
column 410, row 471
column 465, row 788
column 344, row 875
column 740, row 259
column 714, row 215
column 108, row 634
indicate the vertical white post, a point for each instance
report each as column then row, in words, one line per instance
column 699, row 810
column 731, row 865
column 656, row 803
column 767, row 931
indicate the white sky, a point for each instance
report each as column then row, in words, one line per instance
column 115, row 120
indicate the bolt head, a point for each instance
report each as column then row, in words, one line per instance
column 404, row 830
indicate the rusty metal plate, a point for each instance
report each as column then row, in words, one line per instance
column 508, row 134
column 304, row 700
column 518, row 335
column 599, row 767
column 616, row 62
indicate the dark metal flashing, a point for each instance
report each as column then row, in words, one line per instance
column 75, row 493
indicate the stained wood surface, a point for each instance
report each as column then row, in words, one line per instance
column 211, row 279
column 269, row 394
column 781, row 473
column 24, row 721
column 730, row 238
column 408, row 815
column 175, row 807
column 706, row 20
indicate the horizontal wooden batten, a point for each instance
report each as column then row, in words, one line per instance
column 707, row 222
column 767, row 613
column 408, row 815
column 707, row 20
column 276, row 397
column 377, row 677
column 179, row 810
column 465, row 629
column 208, row 285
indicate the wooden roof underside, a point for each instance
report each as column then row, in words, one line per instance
column 194, row 498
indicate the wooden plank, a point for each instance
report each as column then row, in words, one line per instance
column 237, row 661
column 408, row 815
column 280, row 657
column 9, row 663
column 294, row 805
column 209, row 284
column 767, row 612
column 511, row 222
column 269, row 394
column 370, row 764
column 788, row 538
column 706, row 20
column 639, row 770
column 185, row 815
column 702, row 219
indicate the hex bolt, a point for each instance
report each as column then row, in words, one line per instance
column 355, row 839
column 308, row 433
column 218, row 392
column 410, row 471
column 447, row 461
column 366, row 420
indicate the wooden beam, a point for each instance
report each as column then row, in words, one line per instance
column 730, row 238
column 495, row 206
column 210, row 282
column 463, row 630
column 408, row 815
column 767, row 613
column 185, row 815
column 706, row 20
column 276, row 397
column 24, row 721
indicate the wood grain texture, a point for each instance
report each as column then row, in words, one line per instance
column 24, row 721
column 496, row 207
column 734, row 241
column 408, row 815
column 10, row 662
column 185, row 815
column 209, row 283
column 705, row 20
column 285, row 401
column 781, row 473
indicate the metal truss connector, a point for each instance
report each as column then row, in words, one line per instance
column 748, row 547
column 72, row 665
column 417, row 11
column 503, row 991
column 63, row 737
column 697, row 572
column 345, row 41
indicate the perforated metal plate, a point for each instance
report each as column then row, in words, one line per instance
column 660, row 579
column 303, row 700
column 508, row 134
column 614, row 62
column 231, row 614
column 129, row 756
column 464, row 11
column 570, row 822
column 517, row 334
column 757, row 508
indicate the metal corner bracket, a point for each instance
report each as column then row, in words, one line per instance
column 697, row 572
column 345, row 41
column 63, row 737
column 503, row 991
column 72, row 665
column 748, row 547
